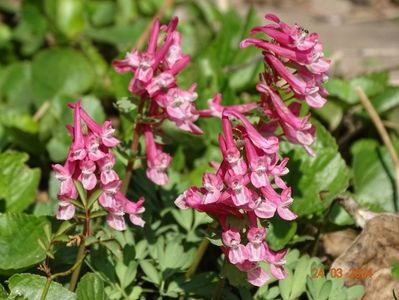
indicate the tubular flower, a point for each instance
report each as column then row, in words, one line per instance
column 90, row 161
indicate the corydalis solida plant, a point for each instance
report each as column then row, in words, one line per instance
column 90, row 163
column 247, row 185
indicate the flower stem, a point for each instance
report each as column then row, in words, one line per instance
column 198, row 257
column 46, row 288
column 133, row 147
column 76, row 271
column 61, row 274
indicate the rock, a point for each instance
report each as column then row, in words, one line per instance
column 375, row 249
column 335, row 243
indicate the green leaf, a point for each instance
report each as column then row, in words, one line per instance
column 90, row 287
column 315, row 181
column 19, row 234
column 373, row 176
column 386, row 100
column 285, row 286
column 15, row 87
column 120, row 35
column 31, row 29
column 355, row 292
column 150, row 271
column 325, row 290
column 280, row 232
column 18, row 183
column 60, row 71
column 30, row 286
column 372, row 84
column 69, row 17
column 302, row 269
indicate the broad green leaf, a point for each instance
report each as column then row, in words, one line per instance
column 122, row 36
column 18, row 183
column 280, row 232
column 102, row 13
column 90, row 287
column 69, row 17
column 19, row 234
column 315, row 181
column 386, row 100
column 373, row 176
column 15, row 87
column 30, row 286
column 60, row 71
column 372, row 84
column 31, row 29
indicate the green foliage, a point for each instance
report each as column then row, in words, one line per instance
column 19, row 235
column 54, row 74
column 30, row 286
column 90, row 287
column 322, row 177
column 56, row 51
column 18, row 182
column 373, row 176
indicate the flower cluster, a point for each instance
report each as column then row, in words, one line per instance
column 295, row 62
column 246, row 185
column 90, row 162
column 154, row 81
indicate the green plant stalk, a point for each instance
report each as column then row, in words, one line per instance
column 218, row 291
column 134, row 147
column 46, row 288
column 76, row 272
column 61, row 274
column 198, row 257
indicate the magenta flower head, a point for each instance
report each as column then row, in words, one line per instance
column 90, row 163
column 248, row 185
column 295, row 58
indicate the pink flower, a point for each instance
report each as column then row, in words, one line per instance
column 229, row 149
column 107, row 197
column 63, row 174
column 255, row 274
column 157, row 161
column 237, row 252
column 92, row 148
column 268, row 145
column 257, row 246
column 87, row 177
column 216, row 109
column 65, row 210
column 238, row 191
column 280, row 203
column 134, row 210
column 213, row 185
column 106, row 166
column 276, row 261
